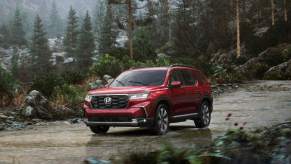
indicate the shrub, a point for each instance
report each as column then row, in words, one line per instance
column 46, row 83
column 107, row 65
column 73, row 77
column 113, row 66
column 8, row 87
column 68, row 95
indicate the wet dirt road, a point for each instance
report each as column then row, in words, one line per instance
column 259, row 104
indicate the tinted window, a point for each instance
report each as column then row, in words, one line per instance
column 140, row 78
column 188, row 77
column 177, row 76
column 184, row 76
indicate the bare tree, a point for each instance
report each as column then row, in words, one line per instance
column 273, row 12
column 130, row 28
column 238, row 48
column 285, row 11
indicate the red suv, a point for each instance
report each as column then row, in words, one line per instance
column 150, row 97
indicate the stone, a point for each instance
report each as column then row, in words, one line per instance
column 3, row 116
column 28, row 111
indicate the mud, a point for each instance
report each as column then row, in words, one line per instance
column 254, row 105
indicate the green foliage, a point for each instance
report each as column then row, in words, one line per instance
column 107, row 38
column 108, row 64
column 73, row 76
column 86, row 44
column 55, row 25
column 8, row 85
column 71, row 95
column 17, row 32
column 39, row 48
column 142, row 43
column 71, row 35
column 224, row 74
column 47, row 82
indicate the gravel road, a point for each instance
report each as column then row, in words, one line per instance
column 256, row 104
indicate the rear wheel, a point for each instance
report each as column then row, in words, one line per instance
column 99, row 129
column 161, row 125
column 204, row 116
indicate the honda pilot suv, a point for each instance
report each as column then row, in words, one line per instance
column 150, row 97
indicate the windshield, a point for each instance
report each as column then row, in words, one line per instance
column 140, row 78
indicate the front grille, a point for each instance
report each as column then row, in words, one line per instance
column 117, row 102
column 110, row 119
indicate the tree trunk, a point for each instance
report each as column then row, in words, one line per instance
column 238, row 48
column 285, row 11
column 130, row 29
column 273, row 12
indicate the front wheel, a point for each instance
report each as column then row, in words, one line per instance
column 161, row 125
column 99, row 129
column 204, row 116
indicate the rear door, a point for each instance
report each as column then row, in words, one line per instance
column 192, row 91
column 178, row 95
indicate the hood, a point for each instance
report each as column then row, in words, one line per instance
column 122, row 90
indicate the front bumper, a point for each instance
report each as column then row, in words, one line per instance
column 136, row 116
column 135, row 122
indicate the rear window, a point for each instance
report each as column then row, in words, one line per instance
column 140, row 78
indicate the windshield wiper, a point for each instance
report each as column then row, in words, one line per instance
column 137, row 82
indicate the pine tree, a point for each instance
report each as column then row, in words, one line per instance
column 99, row 17
column 17, row 32
column 86, row 44
column 71, row 36
column 107, row 37
column 238, row 48
column 55, row 24
column 5, row 37
column 39, row 48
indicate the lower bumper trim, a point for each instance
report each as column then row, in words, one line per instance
column 133, row 123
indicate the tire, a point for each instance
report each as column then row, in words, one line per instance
column 161, row 124
column 204, row 118
column 99, row 129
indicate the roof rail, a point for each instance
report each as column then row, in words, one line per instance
column 180, row 65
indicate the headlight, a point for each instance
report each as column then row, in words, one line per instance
column 139, row 96
column 88, row 98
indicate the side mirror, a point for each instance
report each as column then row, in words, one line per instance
column 176, row 84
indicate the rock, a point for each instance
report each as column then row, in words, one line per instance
column 93, row 160
column 28, row 112
column 37, row 106
column 2, row 127
column 108, row 79
column 2, row 116
column 279, row 72
column 256, row 67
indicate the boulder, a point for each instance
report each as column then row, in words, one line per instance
column 37, row 106
column 279, row 72
column 256, row 67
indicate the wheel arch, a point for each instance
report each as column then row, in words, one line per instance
column 208, row 99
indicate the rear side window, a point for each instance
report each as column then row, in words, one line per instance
column 184, row 76
column 200, row 77
column 188, row 77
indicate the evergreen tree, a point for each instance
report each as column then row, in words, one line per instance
column 71, row 36
column 17, row 32
column 107, row 37
column 98, row 20
column 4, row 36
column 14, row 63
column 86, row 44
column 55, row 24
column 39, row 48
